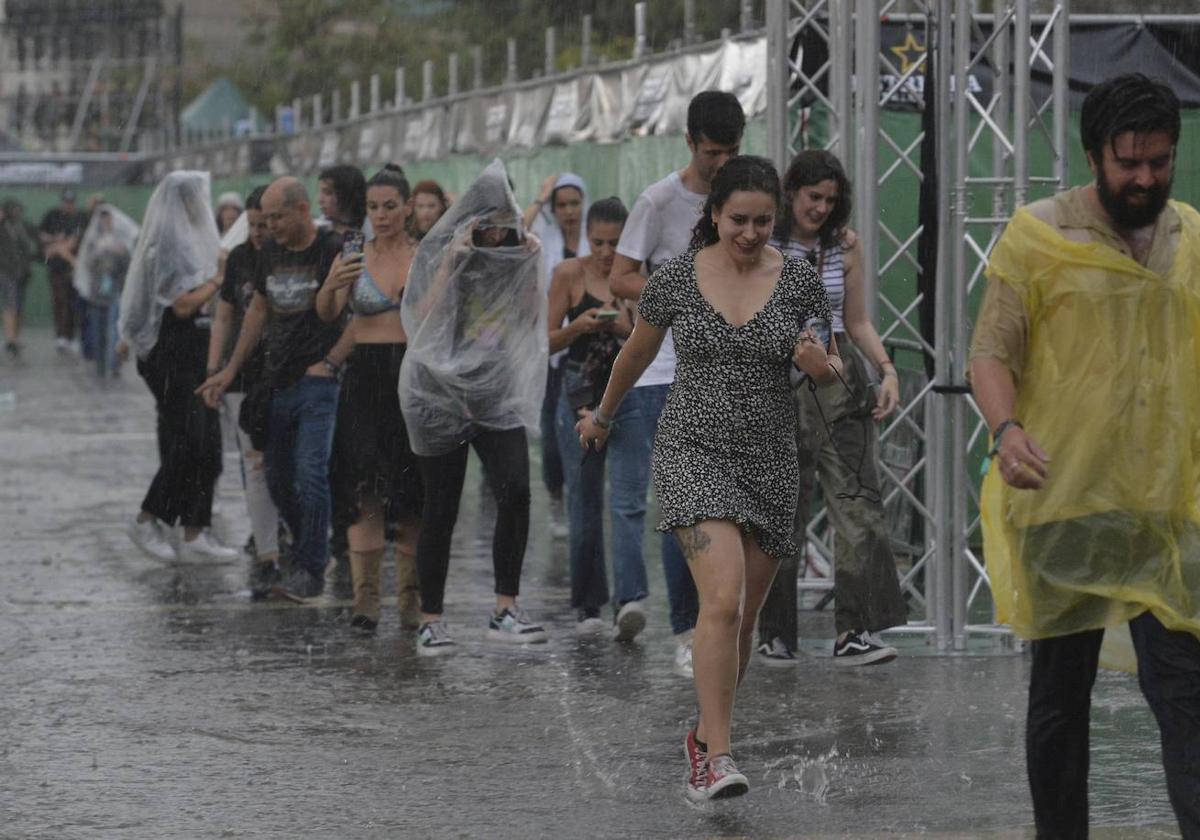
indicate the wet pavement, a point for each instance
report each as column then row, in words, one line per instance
column 148, row 700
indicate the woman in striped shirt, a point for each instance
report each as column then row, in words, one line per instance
column 836, row 432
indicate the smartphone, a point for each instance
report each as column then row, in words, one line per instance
column 352, row 246
column 819, row 327
column 607, row 314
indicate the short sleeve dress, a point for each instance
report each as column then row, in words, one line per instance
column 726, row 445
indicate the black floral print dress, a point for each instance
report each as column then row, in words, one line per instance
column 726, row 442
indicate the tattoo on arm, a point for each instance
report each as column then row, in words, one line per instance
column 693, row 541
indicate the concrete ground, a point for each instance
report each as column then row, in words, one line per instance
column 148, row 700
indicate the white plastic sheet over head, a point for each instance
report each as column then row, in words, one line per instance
column 474, row 310
column 109, row 233
column 176, row 252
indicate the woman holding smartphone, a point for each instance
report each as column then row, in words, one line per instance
column 375, row 474
column 591, row 336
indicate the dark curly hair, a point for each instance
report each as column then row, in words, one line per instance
column 812, row 166
column 350, row 187
column 1130, row 102
column 748, row 173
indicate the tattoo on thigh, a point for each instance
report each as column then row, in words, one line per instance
column 693, row 541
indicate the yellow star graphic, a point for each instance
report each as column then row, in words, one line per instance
column 907, row 49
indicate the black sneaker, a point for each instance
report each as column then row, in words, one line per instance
column 263, row 575
column 861, row 648
column 364, row 625
column 776, row 654
column 14, row 349
column 514, row 628
column 298, row 586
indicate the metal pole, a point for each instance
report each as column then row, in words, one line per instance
column 866, row 142
column 1020, row 132
column 689, row 20
column 779, row 80
column 401, row 99
column 510, row 75
column 585, row 48
column 177, row 92
column 355, row 99
column 427, row 80
column 551, row 50
column 452, row 72
column 956, row 347
column 297, row 114
column 1062, row 93
column 318, row 116
column 639, row 30
column 85, row 100
column 746, row 22
column 477, row 67
column 1002, row 86
column 841, row 85
column 136, row 115
column 335, row 106
column 373, row 87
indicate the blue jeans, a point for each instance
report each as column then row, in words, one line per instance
column 585, row 516
column 299, row 442
column 629, row 448
column 102, row 326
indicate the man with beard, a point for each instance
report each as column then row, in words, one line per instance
column 1086, row 352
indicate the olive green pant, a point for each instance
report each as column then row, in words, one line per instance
column 866, row 587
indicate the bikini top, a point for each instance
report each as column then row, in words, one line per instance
column 366, row 298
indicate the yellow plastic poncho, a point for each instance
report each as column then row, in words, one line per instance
column 1111, row 391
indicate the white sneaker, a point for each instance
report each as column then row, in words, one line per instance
column 559, row 529
column 61, row 344
column 150, row 536
column 205, row 547
column 630, row 620
column 515, row 628
column 589, row 625
column 683, row 655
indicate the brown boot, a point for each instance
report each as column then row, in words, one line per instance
column 408, row 597
column 364, row 568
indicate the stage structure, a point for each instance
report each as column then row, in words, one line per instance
column 988, row 87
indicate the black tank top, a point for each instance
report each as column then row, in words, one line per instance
column 579, row 348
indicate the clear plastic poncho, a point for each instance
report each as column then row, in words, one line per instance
column 238, row 233
column 177, row 251
column 1110, row 391
column 474, row 309
column 104, row 254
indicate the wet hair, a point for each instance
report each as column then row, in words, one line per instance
column 254, row 199
column 715, row 116
column 810, row 167
column 392, row 175
column 350, row 188
column 610, row 209
column 1130, row 102
column 432, row 188
column 555, row 191
column 748, row 173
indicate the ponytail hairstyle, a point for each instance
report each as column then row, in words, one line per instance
column 746, row 173
column 392, row 175
column 812, row 166
column 609, row 209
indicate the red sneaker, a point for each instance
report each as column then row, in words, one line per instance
column 724, row 779
column 697, row 760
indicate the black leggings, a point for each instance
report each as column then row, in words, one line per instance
column 189, row 433
column 505, row 457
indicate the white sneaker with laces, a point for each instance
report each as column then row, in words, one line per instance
column 514, row 627
column 630, row 620
column 434, row 640
column 683, row 655
column 205, row 547
column 150, row 536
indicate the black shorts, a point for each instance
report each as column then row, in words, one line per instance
column 371, row 452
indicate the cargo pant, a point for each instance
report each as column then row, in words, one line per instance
column 866, row 587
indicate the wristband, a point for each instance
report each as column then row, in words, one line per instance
column 999, row 433
column 336, row 370
column 600, row 420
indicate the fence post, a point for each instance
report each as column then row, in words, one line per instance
column 335, row 106
column 477, row 62
column 550, row 50
column 297, row 113
column 427, row 80
column 452, row 73
column 355, row 99
column 585, row 49
column 318, row 117
column 510, row 74
column 400, row 98
column 374, row 88
column 689, row 22
column 639, row 30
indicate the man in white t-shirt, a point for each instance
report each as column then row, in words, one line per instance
column 659, row 228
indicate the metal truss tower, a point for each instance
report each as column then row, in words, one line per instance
column 826, row 62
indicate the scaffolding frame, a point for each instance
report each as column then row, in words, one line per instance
column 948, row 579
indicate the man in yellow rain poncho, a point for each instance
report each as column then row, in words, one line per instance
column 1086, row 365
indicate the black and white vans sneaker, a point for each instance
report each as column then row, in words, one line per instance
column 861, row 648
column 433, row 640
column 776, row 654
column 514, row 628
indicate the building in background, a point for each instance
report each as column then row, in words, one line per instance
column 84, row 75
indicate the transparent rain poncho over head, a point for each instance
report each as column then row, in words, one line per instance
column 474, row 310
column 1110, row 390
column 177, row 250
column 104, row 253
